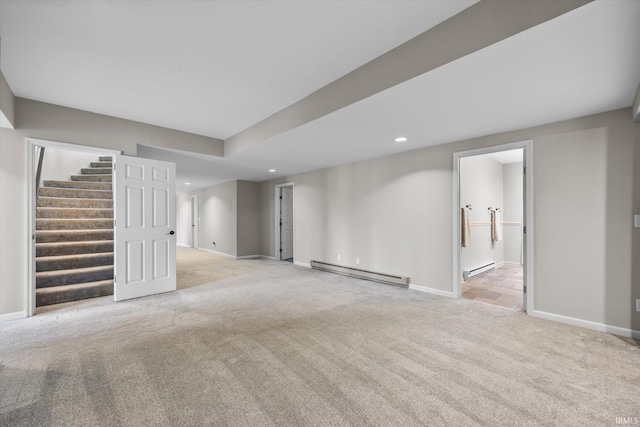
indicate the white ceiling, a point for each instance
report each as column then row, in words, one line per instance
column 208, row 67
column 505, row 157
column 584, row 62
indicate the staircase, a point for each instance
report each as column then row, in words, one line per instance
column 74, row 236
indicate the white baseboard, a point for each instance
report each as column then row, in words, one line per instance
column 13, row 316
column 302, row 264
column 430, row 290
column 600, row 327
column 268, row 257
column 182, row 245
column 248, row 257
column 217, row 253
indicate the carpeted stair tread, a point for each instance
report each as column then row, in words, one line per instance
column 75, row 193
column 70, row 248
column 101, row 164
column 51, row 236
column 92, row 178
column 73, row 224
column 74, row 292
column 66, row 262
column 47, row 279
column 61, row 202
column 79, row 213
column 84, row 185
column 96, row 171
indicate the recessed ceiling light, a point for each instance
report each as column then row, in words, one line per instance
column 401, row 139
column 187, row 183
column 272, row 170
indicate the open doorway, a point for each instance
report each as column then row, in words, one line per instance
column 195, row 218
column 492, row 262
column 284, row 222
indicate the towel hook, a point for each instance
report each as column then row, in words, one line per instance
column 469, row 207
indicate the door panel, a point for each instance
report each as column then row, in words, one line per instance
column 145, row 245
column 286, row 230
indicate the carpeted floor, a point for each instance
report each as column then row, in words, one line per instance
column 266, row 343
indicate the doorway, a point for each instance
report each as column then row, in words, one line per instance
column 195, row 220
column 284, row 215
column 492, row 212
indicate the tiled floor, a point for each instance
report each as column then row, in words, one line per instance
column 501, row 286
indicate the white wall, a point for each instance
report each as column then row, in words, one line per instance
column 59, row 165
column 513, row 203
column 395, row 214
column 183, row 219
column 481, row 186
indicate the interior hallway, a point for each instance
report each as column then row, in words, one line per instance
column 260, row 342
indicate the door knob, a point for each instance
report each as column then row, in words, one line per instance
column 172, row 232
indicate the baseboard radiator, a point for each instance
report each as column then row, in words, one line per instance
column 389, row 279
column 468, row 274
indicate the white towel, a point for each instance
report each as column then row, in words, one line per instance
column 496, row 226
column 466, row 231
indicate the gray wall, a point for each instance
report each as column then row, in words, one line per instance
column 248, row 219
column 219, row 218
column 481, row 185
column 7, row 100
column 512, row 212
column 395, row 214
column 229, row 215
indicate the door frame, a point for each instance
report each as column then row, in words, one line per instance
column 527, row 220
column 30, row 145
column 276, row 199
column 195, row 221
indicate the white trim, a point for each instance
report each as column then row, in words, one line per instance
column 248, row 257
column 13, row 316
column 528, row 221
column 30, row 145
column 429, row 290
column 268, row 257
column 277, row 188
column 600, row 327
column 217, row 252
column 182, row 245
column 302, row 264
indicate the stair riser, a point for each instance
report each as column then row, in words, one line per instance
column 66, row 263
column 92, row 178
column 53, row 249
column 59, row 202
column 81, row 185
column 68, row 295
column 74, row 193
column 73, row 278
column 73, row 224
column 73, row 213
column 101, row 165
column 96, row 171
column 53, row 236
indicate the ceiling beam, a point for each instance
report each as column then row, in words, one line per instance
column 481, row 25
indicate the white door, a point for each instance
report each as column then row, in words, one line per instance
column 145, row 241
column 286, row 223
column 194, row 222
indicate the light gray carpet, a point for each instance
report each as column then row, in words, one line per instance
column 267, row 343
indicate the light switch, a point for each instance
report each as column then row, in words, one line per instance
column 636, row 221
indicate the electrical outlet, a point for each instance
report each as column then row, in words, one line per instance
column 636, row 221
column 357, row 261
column 638, row 305
column 338, row 257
